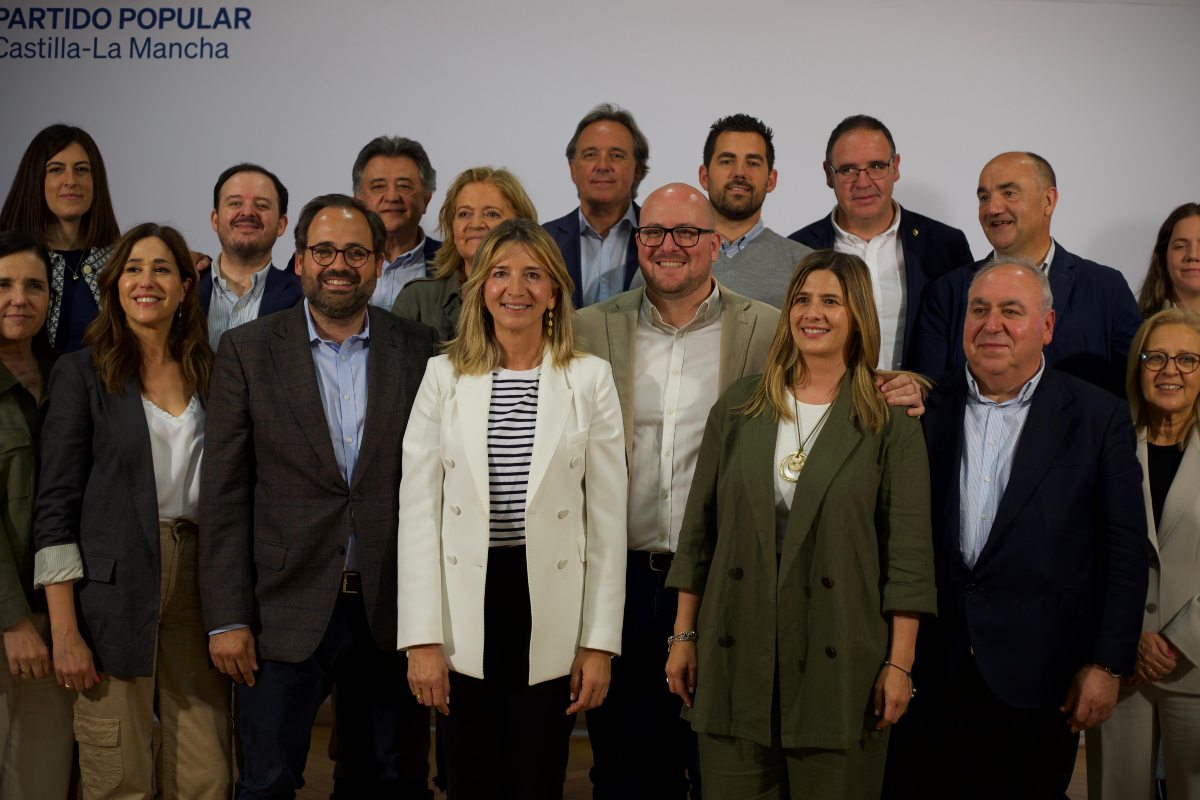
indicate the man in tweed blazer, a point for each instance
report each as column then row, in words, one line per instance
column 306, row 416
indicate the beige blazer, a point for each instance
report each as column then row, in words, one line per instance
column 1173, row 599
column 609, row 329
column 574, row 518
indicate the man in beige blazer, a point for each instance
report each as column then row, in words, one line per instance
column 675, row 344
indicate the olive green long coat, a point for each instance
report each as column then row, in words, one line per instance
column 858, row 546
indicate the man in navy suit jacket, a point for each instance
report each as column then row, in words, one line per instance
column 1097, row 315
column 1040, row 546
column 608, row 158
column 249, row 214
column 903, row 249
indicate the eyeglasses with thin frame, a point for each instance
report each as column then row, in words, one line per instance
column 684, row 235
column 848, row 173
column 1156, row 361
column 325, row 254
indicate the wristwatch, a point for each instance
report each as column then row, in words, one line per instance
column 1112, row 673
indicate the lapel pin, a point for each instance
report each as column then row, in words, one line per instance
column 916, row 232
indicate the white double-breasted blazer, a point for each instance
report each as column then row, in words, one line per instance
column 575, row 516
column 1173, row 599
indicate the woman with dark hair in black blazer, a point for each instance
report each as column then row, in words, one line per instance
column 116, row 532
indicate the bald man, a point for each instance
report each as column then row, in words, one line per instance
column 674, row 344
column 1097, row 315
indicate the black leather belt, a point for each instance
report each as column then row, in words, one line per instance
column 351, row 583
column 655, row 562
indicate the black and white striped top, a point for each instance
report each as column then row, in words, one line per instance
column 512, row 416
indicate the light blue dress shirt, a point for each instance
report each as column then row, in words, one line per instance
column 602, row 260
column 226, row 310
column 731, row 249
column 397, row 274
column 342, row 382
column 991, row 431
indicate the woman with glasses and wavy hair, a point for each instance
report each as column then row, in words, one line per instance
column 512, row 536
column 116, row 533
column 60, row 197
column 1160, row 702
column 805, row 557
column 478, row 200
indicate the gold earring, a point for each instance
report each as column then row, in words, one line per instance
column 550, row 321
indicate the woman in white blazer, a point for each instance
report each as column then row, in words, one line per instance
column 1160, row 702
column 511, row 546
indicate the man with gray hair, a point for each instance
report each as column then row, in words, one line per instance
column 1097, row 315
column 608, row 157
column 1040, row 552
column 394, row 177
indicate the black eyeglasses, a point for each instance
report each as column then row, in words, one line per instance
column 848, row 173
column 684, row 235
column 355, row 255
column 1156, row 361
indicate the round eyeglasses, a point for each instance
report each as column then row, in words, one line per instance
column 1156, row 361
column 355, row 255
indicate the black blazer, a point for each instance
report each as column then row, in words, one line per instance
column 931, row 249
column 97, row 491
column 565, row 232
column 1062, row 579
column 276, row 511
column 1096, row 317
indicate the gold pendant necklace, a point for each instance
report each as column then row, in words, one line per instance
column 793, row 463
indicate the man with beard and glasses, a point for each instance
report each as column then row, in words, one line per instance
column 249, row 214
column 738, row 172
column 904, row 250
column 300, row 484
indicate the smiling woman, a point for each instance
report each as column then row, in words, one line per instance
column 116, row 531
column 60, row 197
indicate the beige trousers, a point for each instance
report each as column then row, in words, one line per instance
column 121, row 754
column 35, row 733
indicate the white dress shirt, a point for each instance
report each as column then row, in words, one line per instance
column 884, row 257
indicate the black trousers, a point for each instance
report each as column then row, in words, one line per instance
column 505, row 739
column 964, row 743
column 641, row 748
column 276, row 715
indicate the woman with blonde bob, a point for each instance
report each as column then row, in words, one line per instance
column 805, row 558
column 512, row 539
column 1160, row 702
column 116, row 534
column 478, row 200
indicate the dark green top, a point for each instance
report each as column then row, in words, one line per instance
column 433, row 301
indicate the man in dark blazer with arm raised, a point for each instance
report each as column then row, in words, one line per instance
column 1096, row 314
column 904, row 250
column 1040, row 548
column 608, row 157
column 301, row 476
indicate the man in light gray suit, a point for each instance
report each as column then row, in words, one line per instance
column 301, row 475
column 674, row 345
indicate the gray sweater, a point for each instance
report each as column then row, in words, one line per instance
column 763, row 268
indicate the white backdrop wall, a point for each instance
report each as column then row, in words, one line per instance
column 1107, row 91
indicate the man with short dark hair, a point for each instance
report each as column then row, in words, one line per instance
column 1097, row 315
column 903, row 250
column 608, row 156
column 738, row 173
column 393, row 176
column 1040, row 553
column 306, row 416
column 249, row 215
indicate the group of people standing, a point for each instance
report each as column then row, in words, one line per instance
column 900, row 539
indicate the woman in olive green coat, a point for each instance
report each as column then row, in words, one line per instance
column 806, row 553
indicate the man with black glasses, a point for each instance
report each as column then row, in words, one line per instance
column 903, row 250
column 674, row 345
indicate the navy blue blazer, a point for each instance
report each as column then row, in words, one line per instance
column 931, row 249
column 1062, row 579
column 1096, row 317
column 282, row 290
column 565, row 232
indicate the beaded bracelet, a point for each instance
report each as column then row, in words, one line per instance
column 912, row 684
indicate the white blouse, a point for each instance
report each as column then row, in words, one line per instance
column 812, row 421
column 176, row 446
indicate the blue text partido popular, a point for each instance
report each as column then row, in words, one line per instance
column 184, row 18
